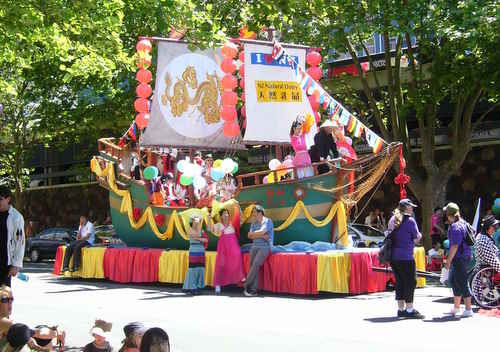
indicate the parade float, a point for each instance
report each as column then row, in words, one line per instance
column 242, row 95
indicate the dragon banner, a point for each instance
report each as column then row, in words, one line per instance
column 186, row 102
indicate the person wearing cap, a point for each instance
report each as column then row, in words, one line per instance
column 324, row 146
column 12, row 239
column 100, row 343
column 486, row 252
column 404, row 232
column 458, row 260
column 133, row 336
column 262, row 234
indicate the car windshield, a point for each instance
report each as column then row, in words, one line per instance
column 368, row 230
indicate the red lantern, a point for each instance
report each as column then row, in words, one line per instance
column 314, row 102
column 144, row 45
column 141, row 105
column 243, row 111
column 242, row 56
column 228, row 113
column 242, row 83
column 228, row 66
column 144, row 62
column 229, row 50
column 231, row 129
column 229, row 98
column 144, row 76
column 142, row 120
column 229, row 82
column 243, row 96
column 315, row 72
column 143, row 90
column 313, row 58
column 244, row 125
column 242, row 71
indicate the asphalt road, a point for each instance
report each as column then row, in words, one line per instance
column 232, row 322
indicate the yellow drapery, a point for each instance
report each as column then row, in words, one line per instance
column 91, row 265
column 173, row 266
column 333, row 272
column 179, row 221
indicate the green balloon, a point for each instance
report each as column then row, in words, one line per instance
column 235, row 169
column 150, row 173
column 186, row 180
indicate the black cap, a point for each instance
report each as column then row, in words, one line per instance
column 5, row 191
column 133, row 328
column 488, row 221
column 19, row 335
column 407, row 203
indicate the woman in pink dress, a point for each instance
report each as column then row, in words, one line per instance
column 302, row 159
column 228, row 262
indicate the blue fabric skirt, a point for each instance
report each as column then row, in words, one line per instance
column 195, row 279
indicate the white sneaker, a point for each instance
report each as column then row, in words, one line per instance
column 454, row 311
column 467, row 313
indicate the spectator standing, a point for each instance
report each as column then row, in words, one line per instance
column 262, row 234
column 12, row 238
column 405, row 234
column 437, row 226
column 85, row 237
column 459, row 260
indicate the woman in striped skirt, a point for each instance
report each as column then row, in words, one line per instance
column 195, row 277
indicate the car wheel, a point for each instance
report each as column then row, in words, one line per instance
column 35, row 255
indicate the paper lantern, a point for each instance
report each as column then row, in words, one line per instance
column 243, row 111
column 242, row 84
column 150, row 173
column 144, row 45
column 313, row 58
column 315, row 73
column 241, row 71
column 228, row 113
column 143, row 90
column 241, row 56
column 229, row 98
column 186, row 180
column 144, row 61
column 314, row 102
column 142, row 120
column 141, row 105
column 243, row 96
column 228, row 66
column 229, row 50
column 229, row 82
column 144, row 76
column 274, row 164
column 231, row 129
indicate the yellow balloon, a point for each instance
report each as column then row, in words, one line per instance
column 217, row 164
column 270, row 177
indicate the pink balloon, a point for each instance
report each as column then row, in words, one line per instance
column 265, row 181
column 242, row 83
column 288, row 163
column 142, row 120
column 231, row 129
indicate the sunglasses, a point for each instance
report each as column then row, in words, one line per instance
column 7, row 299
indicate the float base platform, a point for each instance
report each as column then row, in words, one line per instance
column 340, row 271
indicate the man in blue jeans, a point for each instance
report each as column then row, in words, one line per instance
column 262, row 234
column 85, row 237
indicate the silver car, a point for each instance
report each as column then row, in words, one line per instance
column 365, row 236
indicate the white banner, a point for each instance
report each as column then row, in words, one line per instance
column 274, row 99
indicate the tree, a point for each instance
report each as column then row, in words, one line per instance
column 453, row 59
column 60, row 65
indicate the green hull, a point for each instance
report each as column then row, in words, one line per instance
column 278, row 199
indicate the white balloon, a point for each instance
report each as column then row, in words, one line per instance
column 199, row 182
column 273, row 164
column 189, row 170
column 198, row 169
column 227, row 166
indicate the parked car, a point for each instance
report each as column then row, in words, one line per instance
column 364, row 235
column 44, row 244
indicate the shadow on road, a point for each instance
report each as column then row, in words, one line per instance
column 444, row 319
column 383, row 319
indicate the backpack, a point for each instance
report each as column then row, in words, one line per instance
column 385, row 253
column 470, row 234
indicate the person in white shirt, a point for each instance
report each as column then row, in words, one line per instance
column 85, row 237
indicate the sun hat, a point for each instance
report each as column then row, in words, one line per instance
column 407, row 203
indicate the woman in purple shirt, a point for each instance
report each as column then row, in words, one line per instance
column 405, row 234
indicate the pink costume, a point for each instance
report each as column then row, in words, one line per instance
column 301, row 156
column 228, row 262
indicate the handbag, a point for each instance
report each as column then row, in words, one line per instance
column 385, row 253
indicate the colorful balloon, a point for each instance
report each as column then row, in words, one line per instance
column 241, row 56
column 216, row 174
column 227, row 165
column 265, row 181
column 181, row 164
column 199, row 182
column 314, row 102
column 313, row 58
column 186, row 180
column 189, row 170
column 217, row 164
column 150, row 173
column 315, row 73
column 235, row 168
column 274, row 164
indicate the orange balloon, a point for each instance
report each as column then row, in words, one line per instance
column 228, row 66
column 229, row 98
column 144, row 45
column 229, row 82
column 143, row 90
column 141, row 105
column 229, row 50
column 228, row 113
column 141, row 120
column 144, row 76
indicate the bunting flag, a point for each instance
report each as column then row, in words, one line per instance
column 132, row 132
column 333, row 108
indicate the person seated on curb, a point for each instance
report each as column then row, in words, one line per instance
column 17, row 337
column 133, row 336
column 100, row 333
column 6, row 303
column 85, row 237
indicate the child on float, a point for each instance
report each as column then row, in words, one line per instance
column 195, row 276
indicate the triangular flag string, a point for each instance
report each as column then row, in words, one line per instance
column 333, row 108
